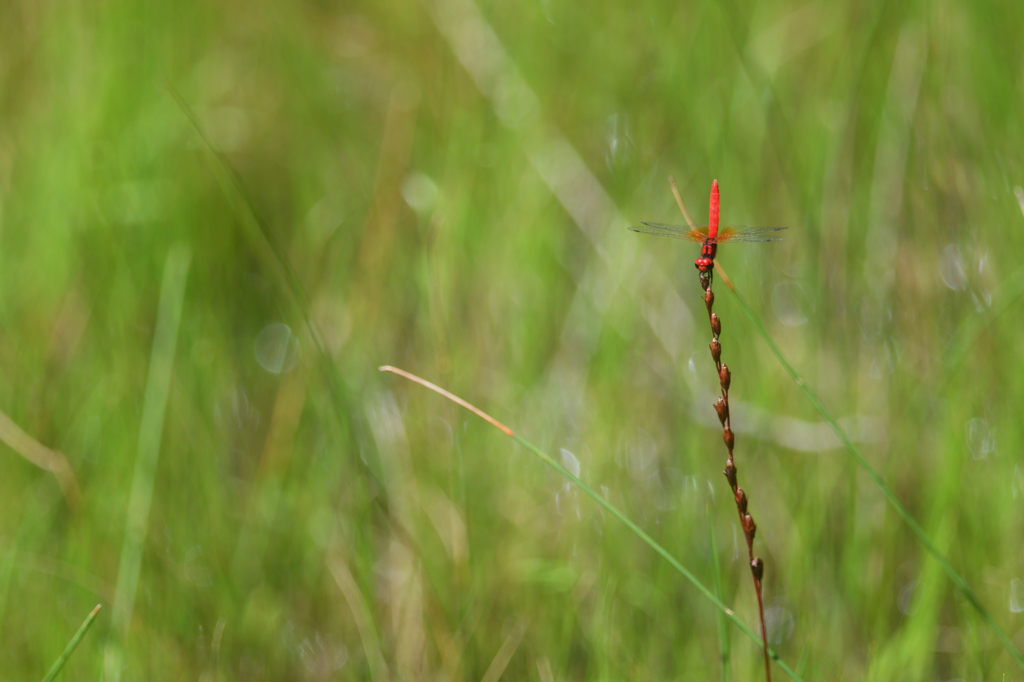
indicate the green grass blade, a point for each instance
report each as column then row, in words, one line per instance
column 723, row 627
column 6, row 572
column 254, row 231
column 608, row 506
column 958, row 582
column 151, row 429
column 70, row 648
column 271, row 257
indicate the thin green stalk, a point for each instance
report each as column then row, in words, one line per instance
column 267, row 252
column 70, row 648
column 723, row 627
column 151, row 429
column 922, row 537
column 608, row 506
column 271, row 258
column 6, row 572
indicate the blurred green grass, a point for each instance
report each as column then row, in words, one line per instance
column 450, row 185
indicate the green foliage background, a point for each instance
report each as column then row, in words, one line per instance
column 444, row 186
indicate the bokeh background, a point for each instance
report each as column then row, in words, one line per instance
column 217, row 219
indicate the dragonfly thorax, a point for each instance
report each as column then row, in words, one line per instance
column 707, row 256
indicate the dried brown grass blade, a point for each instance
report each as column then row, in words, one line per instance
column 43, row 457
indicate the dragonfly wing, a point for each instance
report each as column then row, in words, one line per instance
column 742, row 233
column 693, row 234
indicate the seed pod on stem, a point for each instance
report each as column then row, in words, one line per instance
column 730, row 472
column 722, row 408
column 741, row 500
column 749, row 527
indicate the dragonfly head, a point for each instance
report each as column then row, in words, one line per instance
column 704, row 264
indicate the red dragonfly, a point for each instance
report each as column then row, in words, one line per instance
column 710, row 236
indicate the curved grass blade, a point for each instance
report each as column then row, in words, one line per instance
column 70, row 648
column 608, row 506
column 922, row 537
